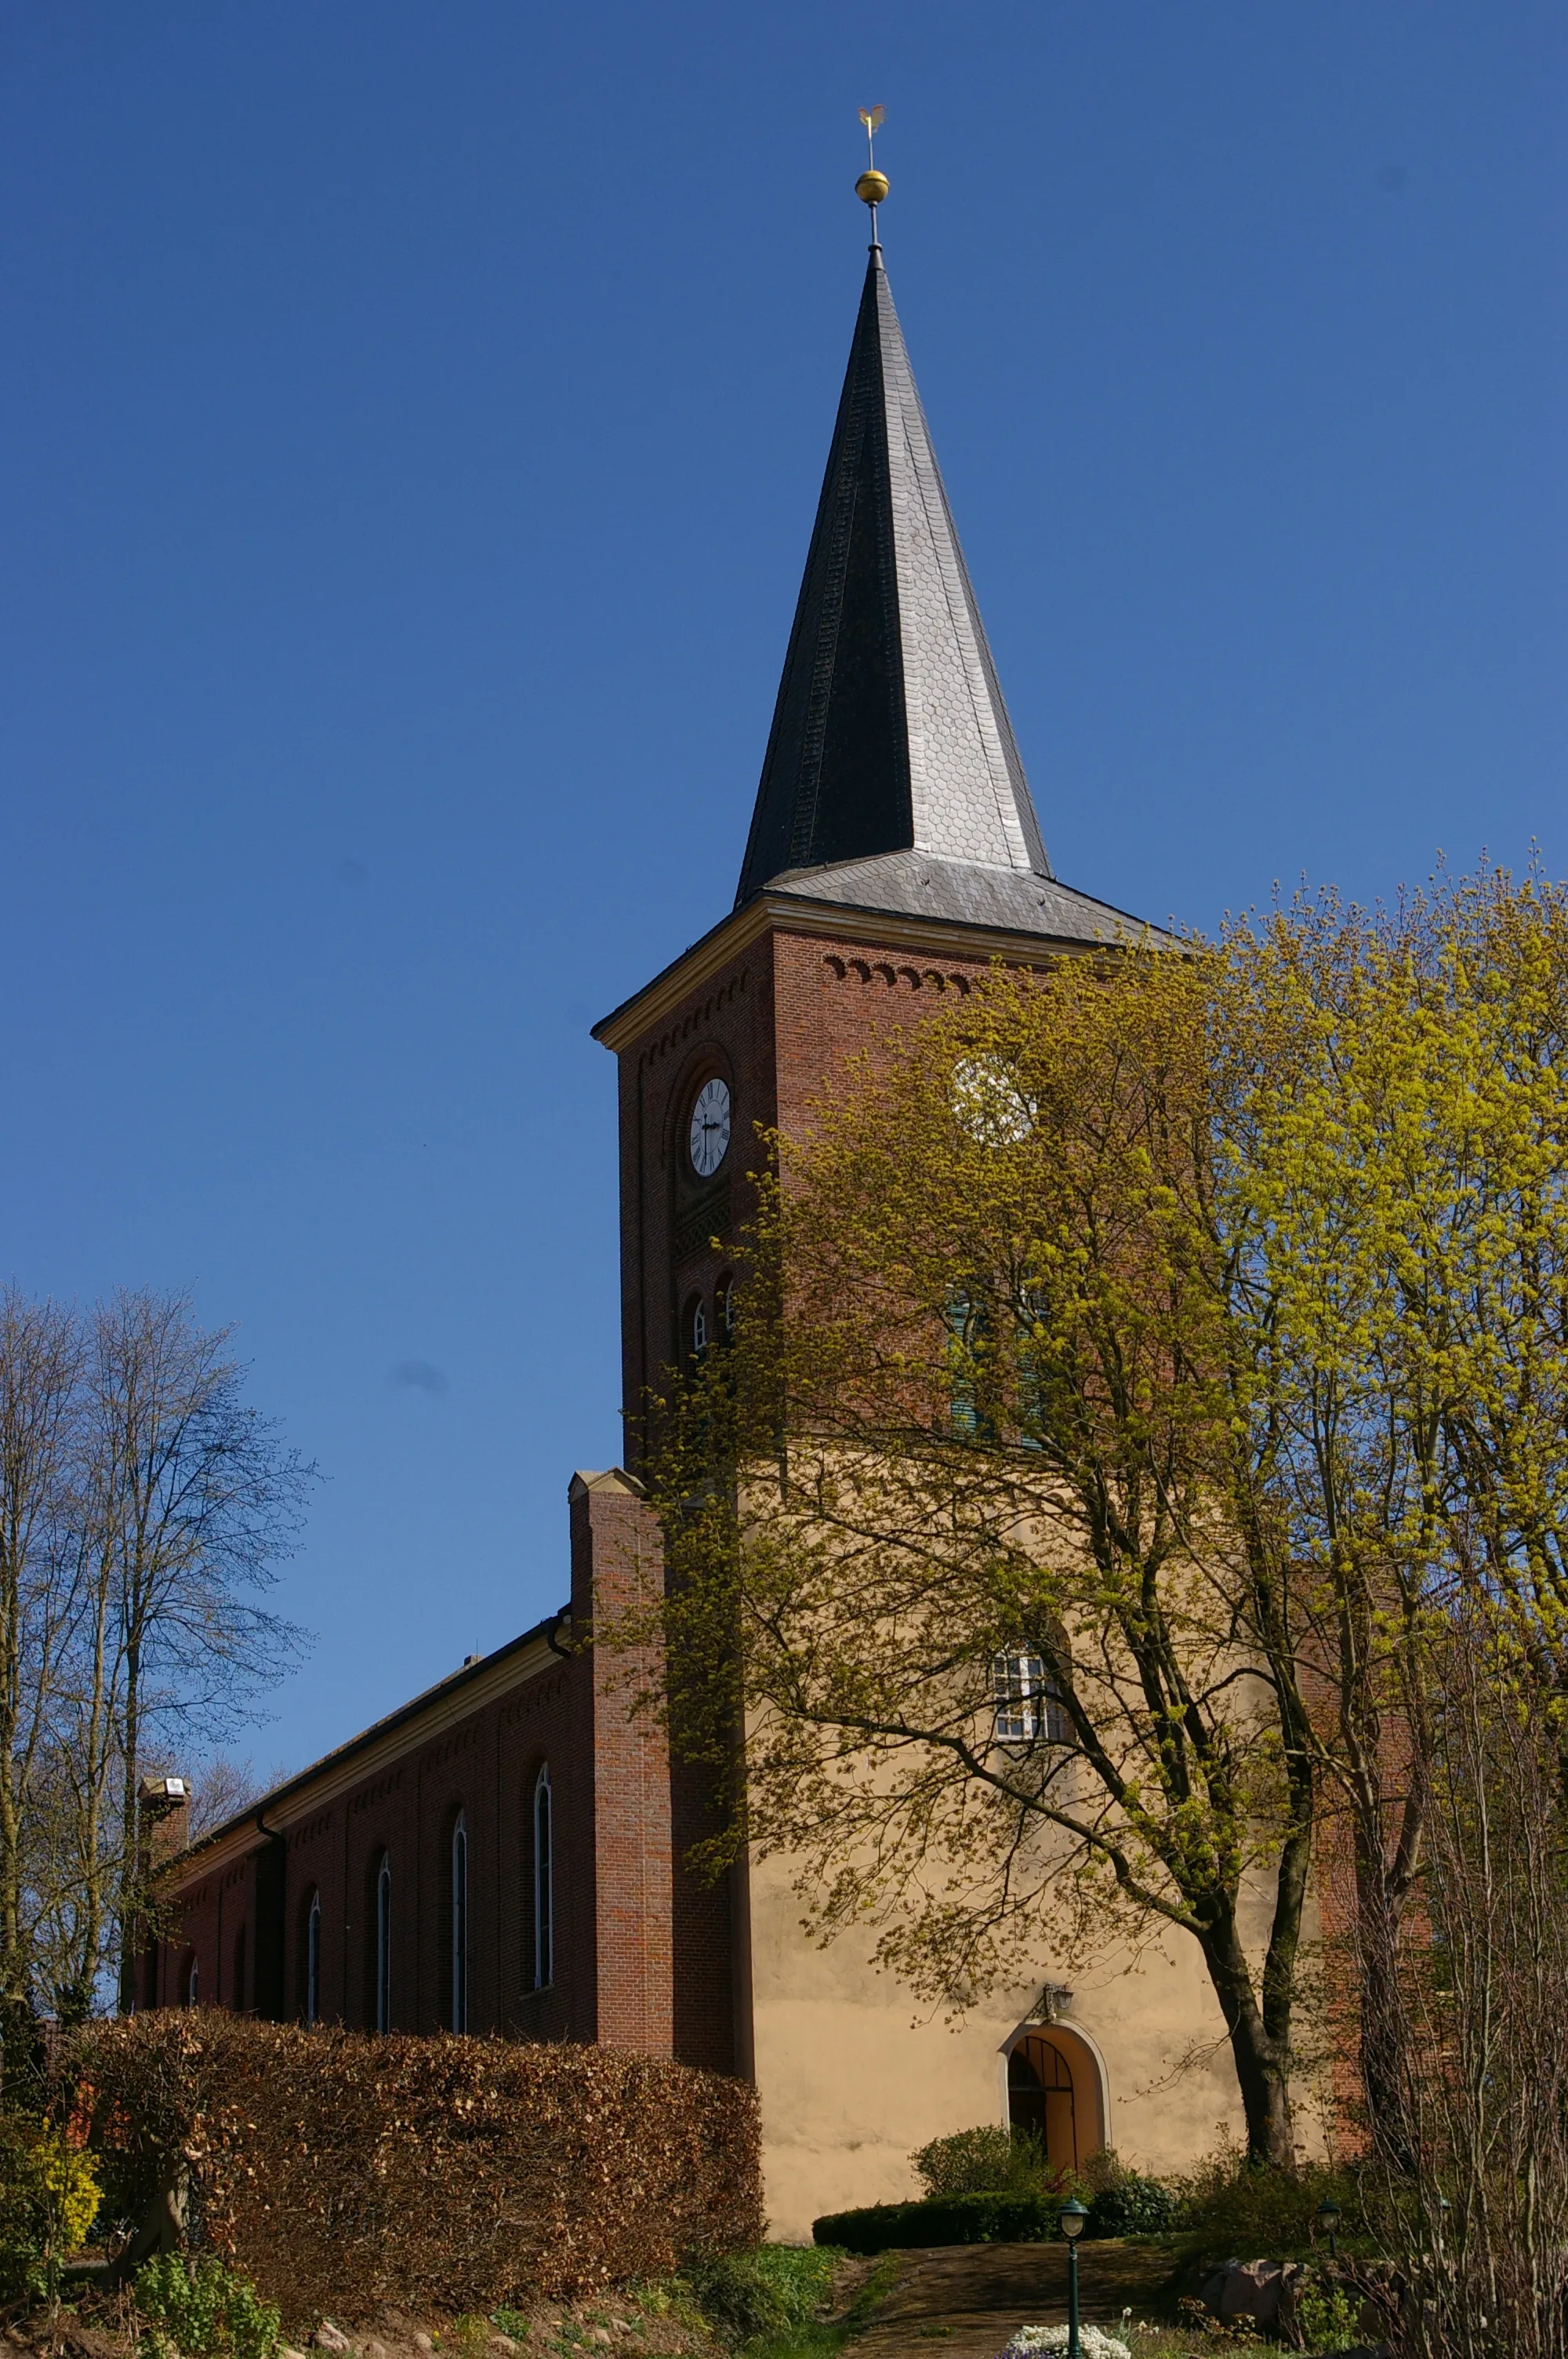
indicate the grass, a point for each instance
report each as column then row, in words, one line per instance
column 809, row 2337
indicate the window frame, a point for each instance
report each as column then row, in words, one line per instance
column 312, row 1995
column 542, row 1836
column 1026, row 1701
column 459, row 1901
column 382, row 1992
column 968, row 1326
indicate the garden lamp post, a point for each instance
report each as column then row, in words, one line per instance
column 1072, row 2220
column 1328, row 2220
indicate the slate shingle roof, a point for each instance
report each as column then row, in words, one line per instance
column 967, row 893
column 890, row 733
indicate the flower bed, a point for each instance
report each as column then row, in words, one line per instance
column 1094, row 2343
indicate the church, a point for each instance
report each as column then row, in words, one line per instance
column 506, row 1853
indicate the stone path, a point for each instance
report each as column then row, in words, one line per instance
column 962, row 2302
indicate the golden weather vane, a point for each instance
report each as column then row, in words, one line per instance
column 872, row 185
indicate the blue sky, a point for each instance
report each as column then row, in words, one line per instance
column 411, row 419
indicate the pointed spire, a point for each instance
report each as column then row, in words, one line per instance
column 890, row 733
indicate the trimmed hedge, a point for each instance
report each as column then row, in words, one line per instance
column 339, row 2171
column 996, row 2219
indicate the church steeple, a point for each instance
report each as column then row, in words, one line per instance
column 890, row 733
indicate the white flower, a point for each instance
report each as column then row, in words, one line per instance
column 1094, row 2343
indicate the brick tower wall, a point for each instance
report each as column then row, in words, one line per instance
column 617, row 1566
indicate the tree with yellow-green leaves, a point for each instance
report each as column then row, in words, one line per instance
column 1126, row 1376
column 1392, row 1160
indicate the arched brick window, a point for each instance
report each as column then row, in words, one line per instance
column 544, row 1881
column 310, row 1977
column 460, row 1907
column 381, row 2007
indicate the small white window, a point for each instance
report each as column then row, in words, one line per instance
column 1027, row 1703
column 544, row 1883
column 460, row 1924
column 313, row 1961
column 190, row 1985
column 699, row 1329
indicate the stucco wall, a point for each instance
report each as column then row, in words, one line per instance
column 853, row 2075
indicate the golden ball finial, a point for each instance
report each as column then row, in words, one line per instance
column 871, row 187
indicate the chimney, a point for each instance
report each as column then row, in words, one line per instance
column 166, row 1814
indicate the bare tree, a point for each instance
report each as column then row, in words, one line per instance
column 144, row 1509
column 1478, row 2212
column 40, row 1360
column 220, row 1788
column 195, row 1503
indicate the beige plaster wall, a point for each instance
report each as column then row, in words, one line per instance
column 853, row 2076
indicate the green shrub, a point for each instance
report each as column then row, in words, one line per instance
column 970, row 2162
column 1121, row 2202
column 989, row 2160
column 765, row 2291
column 1103, row 2170
column 48, row 2200
column 200, row 2309
column 987, row 2218
column 509, row 2321
column 1230, row 2205
column 1135, row 2206
column 1328, row 2318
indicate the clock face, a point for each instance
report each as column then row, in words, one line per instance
column 709, row 1136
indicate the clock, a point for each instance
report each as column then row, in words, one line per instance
column 709, row 1134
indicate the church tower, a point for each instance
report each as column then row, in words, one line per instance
column 508, row 1853
column 894, row 852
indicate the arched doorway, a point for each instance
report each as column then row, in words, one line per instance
column 1041, row 2096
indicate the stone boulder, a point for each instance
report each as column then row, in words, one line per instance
column 1248, row 2290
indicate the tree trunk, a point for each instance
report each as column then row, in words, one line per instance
column 1262, row 2062
column 74, row 1999
column 132, row 1893
column 1384, row 2028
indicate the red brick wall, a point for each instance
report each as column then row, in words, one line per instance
column 724, row 1026
column 485, row 1765
column 610, row 1793
column 617, row 1565
column 784, row 1016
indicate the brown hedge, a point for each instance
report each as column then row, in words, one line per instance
column 342, row 2171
